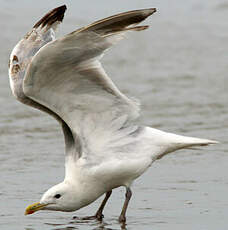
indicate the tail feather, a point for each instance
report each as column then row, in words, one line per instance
column 168, row 142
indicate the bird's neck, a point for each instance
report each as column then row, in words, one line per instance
column 83, row 185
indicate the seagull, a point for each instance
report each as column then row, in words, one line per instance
column 105, row 147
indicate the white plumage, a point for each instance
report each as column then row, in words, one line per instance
column 105, row 147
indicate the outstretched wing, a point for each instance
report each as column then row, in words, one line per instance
column 22, row 54
column 67, row 77
column 42, row 33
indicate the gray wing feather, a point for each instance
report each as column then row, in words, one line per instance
column 77, row 89
column 21, row 56
column 66, row 76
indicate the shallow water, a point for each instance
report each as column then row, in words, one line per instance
column 178, row 69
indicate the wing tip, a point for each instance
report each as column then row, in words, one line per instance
column 56, row 14
column 136, row 28
column 150, row 11
column 147, row 12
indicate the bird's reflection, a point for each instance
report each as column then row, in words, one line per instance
column 94, row 226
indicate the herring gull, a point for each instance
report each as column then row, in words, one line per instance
column 105, row 148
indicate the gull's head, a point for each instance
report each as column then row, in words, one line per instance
column 61, row 197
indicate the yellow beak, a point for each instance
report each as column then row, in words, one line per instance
column 34, row 207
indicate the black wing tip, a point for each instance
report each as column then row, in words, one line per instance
column 148, row 12
column 56, row 14
column 153, row 10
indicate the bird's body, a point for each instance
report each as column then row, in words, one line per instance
column 105, row 147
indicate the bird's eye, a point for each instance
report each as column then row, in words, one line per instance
column 57, row 196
